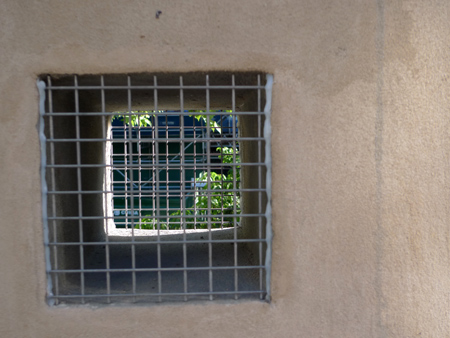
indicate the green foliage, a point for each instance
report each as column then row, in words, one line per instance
column 136, row 118
column 141, row 118
column 213, row 124
column 149, row 223
column 221, row 197
column 222, row 202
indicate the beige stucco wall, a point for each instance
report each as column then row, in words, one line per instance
column 361, row 158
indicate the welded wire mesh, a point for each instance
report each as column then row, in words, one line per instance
column 155, row 187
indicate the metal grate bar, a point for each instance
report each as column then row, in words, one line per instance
column 78, row 168
column 53, row 184
column 260, row 197
column 138, row 113
column 131, row 175
column 105, row 193
column 156, row 217
column 157, row 194
column 182, row 195
column 136, row 87
column 191, row 241
column 133, row 270
column 208, row 161
column 68, row 192
column 154, row 203
column 165, row 294
column 234, row 168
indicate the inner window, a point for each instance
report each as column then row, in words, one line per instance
column 156, row 188
column 185, row 167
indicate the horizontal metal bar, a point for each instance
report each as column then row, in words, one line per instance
column 147, row 166
column 162, row 114
column 199, row 268
column 157, row 242
column 152, row 87
column 156, row 294
column 158, row 139
column 191, row 216
column 152, row 192
column 68, row 218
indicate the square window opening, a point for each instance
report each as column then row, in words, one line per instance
column 156, row 188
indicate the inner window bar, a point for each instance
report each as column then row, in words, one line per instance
column 156, row 187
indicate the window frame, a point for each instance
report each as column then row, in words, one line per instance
column 54, row 274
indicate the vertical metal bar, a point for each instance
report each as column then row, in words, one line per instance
column 53, row 185
column 154, row 169
column 268, row 164
column 260, row 248
column 158, row 204
column 233, row 124
column 167, row 169
column 126, row 135
column 146, row 173
column 195, row 172
column 223, row 172
column 182, row 179
column 130, row 150
column 139, row 160
column 51, row 297
column 208, row 160
column 106, row 187
column 79, row 185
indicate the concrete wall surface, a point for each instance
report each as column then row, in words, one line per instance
column 360, row 146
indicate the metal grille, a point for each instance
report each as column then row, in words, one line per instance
column 156, row 187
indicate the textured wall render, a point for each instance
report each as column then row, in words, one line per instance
column 361, row 158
